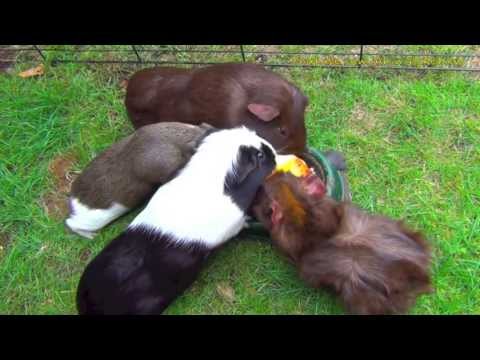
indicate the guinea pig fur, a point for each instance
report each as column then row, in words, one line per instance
column 224, row 96
column 376, row 265
column 162, row 251
column 126, row 174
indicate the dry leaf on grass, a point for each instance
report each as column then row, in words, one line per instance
column 36, row 71
column 226, row 292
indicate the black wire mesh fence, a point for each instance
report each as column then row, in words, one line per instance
column 432, row 58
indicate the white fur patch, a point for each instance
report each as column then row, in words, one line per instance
column 86, row 221
column 193, row 206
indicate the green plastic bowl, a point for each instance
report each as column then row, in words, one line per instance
column 336, row 183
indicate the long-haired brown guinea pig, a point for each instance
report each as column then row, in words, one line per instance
column 375, row 265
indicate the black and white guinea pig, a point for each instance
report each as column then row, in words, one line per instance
column 162, row 251
column 125, row 175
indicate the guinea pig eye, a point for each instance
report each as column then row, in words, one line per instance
column 260, row 155
column 282, row 131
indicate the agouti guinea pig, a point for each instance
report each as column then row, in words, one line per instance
column 126, row 174
column 374, row 264
column 162, row 251
column 224, row 96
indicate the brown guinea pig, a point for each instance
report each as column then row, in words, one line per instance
column 224, row 96
column 376, row 265
column 126, row 174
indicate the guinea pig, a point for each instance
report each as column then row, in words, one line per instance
column 376, row 265
column 163, row 249
column 126, row 174
column 224, row 96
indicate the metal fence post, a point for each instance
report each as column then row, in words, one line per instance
column 40, row 52
column 360, row 56
column 136, row 53
column 243, row 53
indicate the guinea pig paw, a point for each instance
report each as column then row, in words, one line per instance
column 86, row 234
column 74, row 230
column 83, row 233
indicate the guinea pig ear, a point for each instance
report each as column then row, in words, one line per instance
column 263, row 112
column 277, row 213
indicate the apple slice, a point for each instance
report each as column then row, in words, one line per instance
column 293, row 165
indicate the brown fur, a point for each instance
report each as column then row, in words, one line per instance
column 376, row 265
column 131, row 169
column 221, row 95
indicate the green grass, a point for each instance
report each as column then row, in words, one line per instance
column 412, row 144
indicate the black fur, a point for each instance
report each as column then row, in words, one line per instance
column 243, row 183
column 139, row 272
column 142, row 272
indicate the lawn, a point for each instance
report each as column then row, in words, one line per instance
column 412, row 142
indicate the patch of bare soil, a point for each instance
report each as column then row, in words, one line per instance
column 61, row 170
column 226, row 292
column 361, row 120
column 5, row 240
column 55, row 203
column 85, row 254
